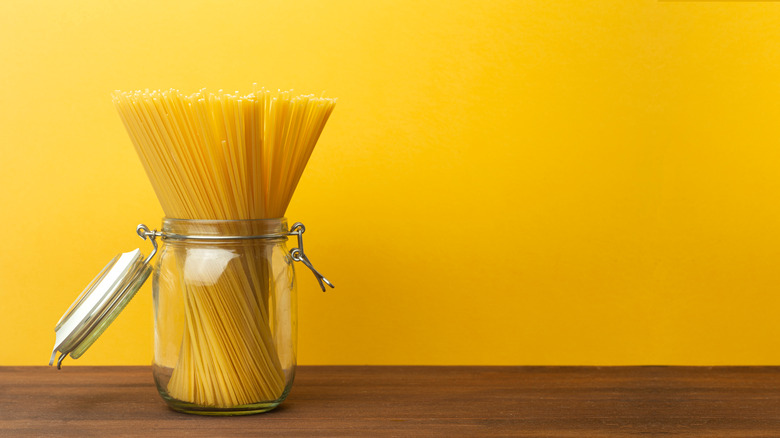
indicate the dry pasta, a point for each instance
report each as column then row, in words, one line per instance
column 225, row 156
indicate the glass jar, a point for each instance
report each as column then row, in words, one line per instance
column 225, row 312
column 225, row 315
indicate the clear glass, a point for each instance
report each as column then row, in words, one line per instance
column 225, row 317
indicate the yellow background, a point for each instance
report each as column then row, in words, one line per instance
column 528, row 182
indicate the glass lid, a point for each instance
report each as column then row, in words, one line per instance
column 99, row 304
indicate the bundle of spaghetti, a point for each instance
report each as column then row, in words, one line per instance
column 225, row 156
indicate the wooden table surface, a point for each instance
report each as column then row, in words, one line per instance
column 412, row 401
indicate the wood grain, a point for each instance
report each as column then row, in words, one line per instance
column 412, row 401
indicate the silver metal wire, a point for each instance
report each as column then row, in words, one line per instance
column 59, row 362
column 298, row 255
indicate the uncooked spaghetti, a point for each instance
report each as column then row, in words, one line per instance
column 225, row 156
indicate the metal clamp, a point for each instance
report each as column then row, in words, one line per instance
column 143, row 232
column 59, row 361
column 297, row 254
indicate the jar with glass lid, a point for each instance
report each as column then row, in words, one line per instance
column 225, row 311
column 224, row 167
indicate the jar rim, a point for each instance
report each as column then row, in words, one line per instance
column 215, row 221
column 229, row 229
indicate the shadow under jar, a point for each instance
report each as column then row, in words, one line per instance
column 225, row 316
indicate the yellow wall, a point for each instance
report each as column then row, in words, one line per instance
column 527, row 182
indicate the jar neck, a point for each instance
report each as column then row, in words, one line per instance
column 225, row 228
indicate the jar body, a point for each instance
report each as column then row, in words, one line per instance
column 225, row 316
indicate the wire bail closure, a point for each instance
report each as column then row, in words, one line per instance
column 296, row 254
